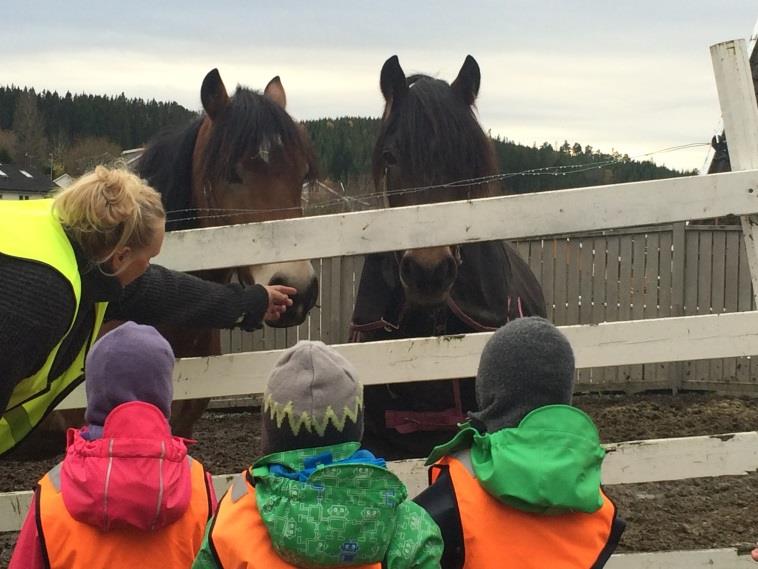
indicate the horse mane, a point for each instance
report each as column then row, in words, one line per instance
column 249, row 121
column 166, row 164
column 436, row 139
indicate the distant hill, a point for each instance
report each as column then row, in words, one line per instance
column 79, row 131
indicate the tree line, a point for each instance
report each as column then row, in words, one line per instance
column 73, row 132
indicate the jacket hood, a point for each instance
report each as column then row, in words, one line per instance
column 335, row 507
column 549, row 464
column 137, row 475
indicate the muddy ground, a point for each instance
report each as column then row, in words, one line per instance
column 691, row 514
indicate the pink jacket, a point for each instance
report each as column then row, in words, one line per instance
column 116, row 481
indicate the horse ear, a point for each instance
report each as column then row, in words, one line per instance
column 466, row 85
column 275, row 91
column 392, row 81
column 213, row 94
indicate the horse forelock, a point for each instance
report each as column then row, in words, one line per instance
column 252, row 125
column 434, row 137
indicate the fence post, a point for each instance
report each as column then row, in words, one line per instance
column 739, row 111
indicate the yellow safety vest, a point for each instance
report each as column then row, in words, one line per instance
column 29, row 230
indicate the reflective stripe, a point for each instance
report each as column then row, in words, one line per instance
column 239, row 487
column 160, row 485
column 18, row 422
column 55, row 476
column 464, row 457
column 106, row 521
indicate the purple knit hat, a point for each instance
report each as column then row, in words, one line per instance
column 131, row 363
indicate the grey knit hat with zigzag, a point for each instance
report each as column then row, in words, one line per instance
column 313, row 398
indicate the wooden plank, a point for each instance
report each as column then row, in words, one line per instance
column 637, row 297
column 573, row 272
column 745, row 302
column 625, row 278
column 731, row 271
column 314, row 317
column 678, row 262
column 731, row 281
column 678, row 284
column 739, row 111
column 705, row 273
column 625, row 463
column 560, row 282
column 333, row 308
column 701, row 370
column 448, row 357
column 654, row 460
column 691, row 268
column 565, row 211
column 611, row 285
column 536, row 254
column 650, row 291
column 549, row 253
column 586, row 278
column 697, row 559
column 585, row 267
column 602, row 280
column 665, row 371
column 718, row 275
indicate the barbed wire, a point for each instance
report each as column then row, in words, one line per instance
column 563, row 170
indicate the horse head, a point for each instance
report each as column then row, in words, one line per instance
column 430, row 149
column 250, row 161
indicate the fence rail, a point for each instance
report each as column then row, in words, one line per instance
column 609, row 276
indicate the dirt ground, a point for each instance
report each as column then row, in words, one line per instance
column 692, row 514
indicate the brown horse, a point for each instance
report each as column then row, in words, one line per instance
column 430, row 149
column 244, row 160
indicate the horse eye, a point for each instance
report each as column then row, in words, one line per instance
column 389, row 158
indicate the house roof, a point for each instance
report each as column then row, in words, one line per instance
column 27, row 180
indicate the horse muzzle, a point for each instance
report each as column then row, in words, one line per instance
column 302, row 302
column 427, row 276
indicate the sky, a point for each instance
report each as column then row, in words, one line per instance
column 628, row 75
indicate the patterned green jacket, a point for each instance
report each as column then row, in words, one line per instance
column 337, row 512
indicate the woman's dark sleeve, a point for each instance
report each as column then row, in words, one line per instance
column 163, row 296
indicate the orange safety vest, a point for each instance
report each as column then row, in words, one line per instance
column 238, row 535
column 498, row 535
column 69, row 544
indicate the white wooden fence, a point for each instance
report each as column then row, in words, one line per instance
column 640, row 342
column 608, row 276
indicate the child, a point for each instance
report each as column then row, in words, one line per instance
column 316, row 499
column 127, row 494
column 519, row 487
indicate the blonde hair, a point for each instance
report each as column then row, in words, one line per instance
column 109, row 208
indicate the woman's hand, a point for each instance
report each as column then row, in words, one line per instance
column 278, row 300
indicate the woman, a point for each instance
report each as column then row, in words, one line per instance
column 70, row 263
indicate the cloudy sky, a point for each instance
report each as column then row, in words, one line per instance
column 630, row 75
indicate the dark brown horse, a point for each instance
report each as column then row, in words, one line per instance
column 430, row 149
column 244, row 160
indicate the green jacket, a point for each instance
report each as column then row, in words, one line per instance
column 549, row 464
column 338, row 498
